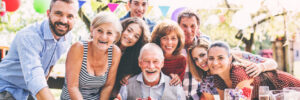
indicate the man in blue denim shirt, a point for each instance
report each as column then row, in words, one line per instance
column 34, row 50
column 138, row 9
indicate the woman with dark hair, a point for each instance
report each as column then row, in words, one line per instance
column 197, row 60
column 229, row 73
column 169, row 36
column 134, row 35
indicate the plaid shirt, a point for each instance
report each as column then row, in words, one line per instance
column 190, row 84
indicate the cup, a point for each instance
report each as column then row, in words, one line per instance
column 280, row 94
column 295, row 92
column 263, row 92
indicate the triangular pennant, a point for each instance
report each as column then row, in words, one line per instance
column 149, row 9
column 81, row 2
column 164, row 10
column 112, row 6
column 95, row 4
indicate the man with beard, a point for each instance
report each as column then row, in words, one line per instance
column 151, row 82
column 138, row 9
column 33, row 52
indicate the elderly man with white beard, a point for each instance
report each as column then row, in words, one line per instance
column 151, row 82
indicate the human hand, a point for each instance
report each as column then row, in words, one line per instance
column 175, row 79
column 124, row 81
column 148, row 98
column 254, row 69
column 118, row 97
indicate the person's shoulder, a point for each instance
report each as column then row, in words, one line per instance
column 116, row 51
column 132, row 79
column 77, row 47
column 32, row 31
column 125, row 16
column 181, row 57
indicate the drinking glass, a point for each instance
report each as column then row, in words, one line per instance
column 295, row 93
column 263, row 92
column 280, row 94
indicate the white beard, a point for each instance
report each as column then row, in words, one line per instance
column 151, row 79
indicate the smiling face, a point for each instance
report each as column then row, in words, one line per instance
column 169, row 43
column 199, row 56
column 131, row 35
column 190, row 27
column 151, row 64
column 138, row 8
column 62, row 18
column 104, row 35
column 218, row 60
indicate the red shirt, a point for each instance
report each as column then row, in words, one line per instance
column 176, row 66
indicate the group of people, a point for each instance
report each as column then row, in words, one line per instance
column 130, row 58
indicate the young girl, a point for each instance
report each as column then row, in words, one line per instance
column 135, row 34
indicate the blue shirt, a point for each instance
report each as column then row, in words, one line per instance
column 150, row 23
column 28, row 61
column 154, row 92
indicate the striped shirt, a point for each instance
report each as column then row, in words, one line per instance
column 89, row 85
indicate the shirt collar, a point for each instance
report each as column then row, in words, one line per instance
column 48, row 34
column 161, row 81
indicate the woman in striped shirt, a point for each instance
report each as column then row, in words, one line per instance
column 91, row 66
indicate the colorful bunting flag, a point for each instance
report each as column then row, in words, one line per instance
column 95, row 4
column 81, row 2
column 112, row 6
column 164, row 10
column 149, row 9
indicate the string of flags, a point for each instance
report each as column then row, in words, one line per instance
column 41, row 6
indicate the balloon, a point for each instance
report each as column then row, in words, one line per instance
column 176, row 13
column 41, row 6
column 12, row 5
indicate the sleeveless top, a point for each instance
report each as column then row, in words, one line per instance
column 89, row 85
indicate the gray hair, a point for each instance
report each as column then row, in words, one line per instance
column 221, row 44
column 188, row 13
column 108, row 17
column 151, row 47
